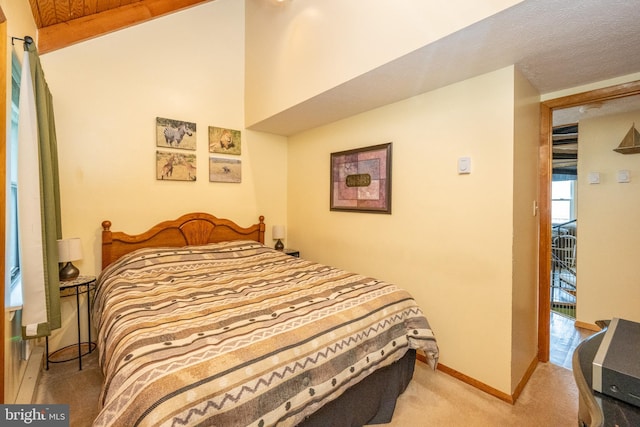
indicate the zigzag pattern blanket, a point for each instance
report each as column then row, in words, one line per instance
column 236, row 334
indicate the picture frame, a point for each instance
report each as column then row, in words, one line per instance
column 222, row 169
column 175, row 166
column 361, row 179
column 172, row 133
column 225, row 141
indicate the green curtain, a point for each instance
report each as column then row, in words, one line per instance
column 49, row 193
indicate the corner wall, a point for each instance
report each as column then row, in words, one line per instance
column 524, row 334
column 449, row 240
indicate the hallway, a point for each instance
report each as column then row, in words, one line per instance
column 564, row 338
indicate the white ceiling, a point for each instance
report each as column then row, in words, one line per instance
column 556, row 44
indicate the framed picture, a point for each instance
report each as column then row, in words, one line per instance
column 173, row 166
column 361, row 179
column 224, row 141
column 225, row 170
column 175, row 134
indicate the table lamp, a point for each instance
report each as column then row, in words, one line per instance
column 69, row 250
column 277, row 233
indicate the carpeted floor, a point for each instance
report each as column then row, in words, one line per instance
column 550, row 399
column 432, row 399
column 64, row 383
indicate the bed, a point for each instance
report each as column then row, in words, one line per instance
column 200, row 323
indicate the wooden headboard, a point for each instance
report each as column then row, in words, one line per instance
column 190, row 229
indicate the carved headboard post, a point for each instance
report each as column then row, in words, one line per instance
column 262, row 228
column 106, row 243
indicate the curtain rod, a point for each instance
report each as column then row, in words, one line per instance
column 27, row 41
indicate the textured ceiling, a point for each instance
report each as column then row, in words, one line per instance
column 556, row 44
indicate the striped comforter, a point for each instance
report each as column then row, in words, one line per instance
column 237, row 333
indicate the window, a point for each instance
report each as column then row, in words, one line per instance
column 562, row 201
column 13, row 241
column 13, row 247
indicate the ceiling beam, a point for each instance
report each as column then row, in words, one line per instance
column 65, row 34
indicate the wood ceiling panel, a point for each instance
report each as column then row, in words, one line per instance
column 76, row 8
column 61, row 10
column 44, row 12
column 89, row 6
column 35, row 12
column 64, row 22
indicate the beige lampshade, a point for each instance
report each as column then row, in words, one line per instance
column 277, row 232
column 69, row 249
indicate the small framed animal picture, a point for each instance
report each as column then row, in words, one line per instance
column 175, row 134
column 172, row 166
column 224, row 141
column 225, row 170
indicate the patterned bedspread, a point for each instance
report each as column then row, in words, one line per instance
column 237, row 333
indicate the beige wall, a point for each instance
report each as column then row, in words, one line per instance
column 450, row 238
column 608, row 233
column 304, row 48
column 107, row 94
column 19, row 23
column 524, row 333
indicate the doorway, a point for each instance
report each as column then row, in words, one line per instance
column 564, row 212
column 545, row 197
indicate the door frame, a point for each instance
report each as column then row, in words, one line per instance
column 545, row 176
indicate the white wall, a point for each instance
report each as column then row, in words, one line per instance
column 305, row 47
column 107, row 94
column 608, row 233
column 449, row 240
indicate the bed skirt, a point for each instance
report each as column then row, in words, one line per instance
column 371, row 401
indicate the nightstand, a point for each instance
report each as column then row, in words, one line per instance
column 78, row 286
column 292, row 252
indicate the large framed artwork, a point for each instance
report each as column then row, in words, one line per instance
column 361, row 179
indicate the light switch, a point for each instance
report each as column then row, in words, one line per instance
column 624, row 176
column 464, row 165
column 594, row 177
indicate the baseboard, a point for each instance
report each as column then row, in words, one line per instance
column 525, row 379
column 509, row 398
column 31, row 378
column 477, row 384
column 589, row 326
